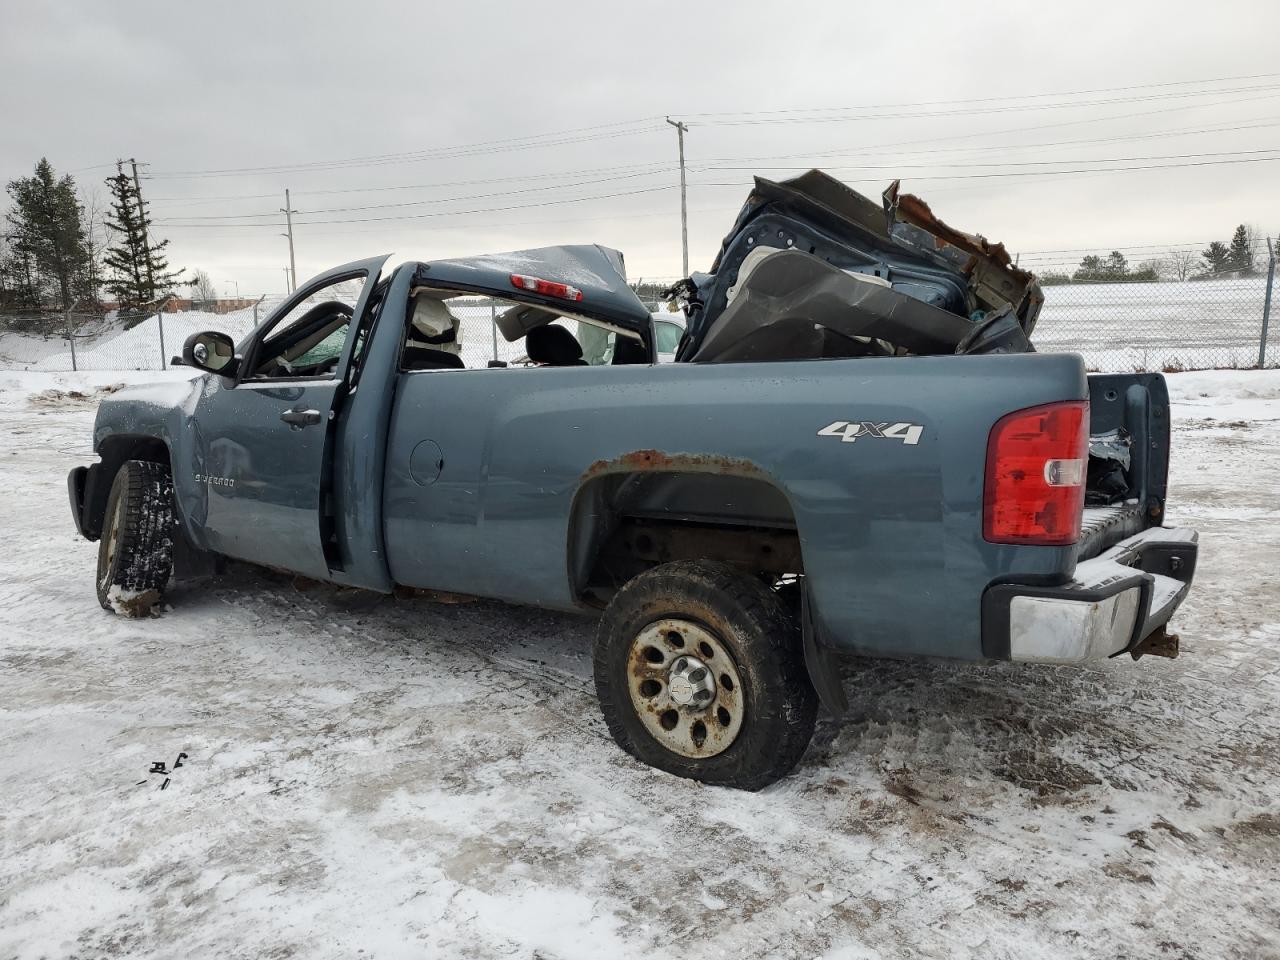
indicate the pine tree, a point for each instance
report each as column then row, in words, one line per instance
column 1240, row 256
column 137, row 271
column 48, row 237
column 1114, row 266
column 1218, row 257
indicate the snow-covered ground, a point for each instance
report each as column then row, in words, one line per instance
column 366, row 776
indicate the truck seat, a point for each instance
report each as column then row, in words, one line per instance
column 424, row 358
column 553, row 346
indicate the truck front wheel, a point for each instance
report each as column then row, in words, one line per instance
column 700, row 673
column 135, row 554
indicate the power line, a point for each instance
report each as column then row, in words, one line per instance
column 913, row 115
column 471, row 226
column 445, row 213
column 443, row 153
column 424, row 186
column 1028, row 96
column 1139, row 246
column 647, row 169
column 615, row 125
column 621, row 129
column 998, row 133
column 1035, row 173
column 990, row 175
column 418, row 203
column 410, row 153
column 657, row 167
column 1158, row 135
column 1010, row 163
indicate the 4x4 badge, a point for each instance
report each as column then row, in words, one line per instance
column 849, row 431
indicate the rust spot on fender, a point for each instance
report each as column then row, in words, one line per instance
column 639, row 461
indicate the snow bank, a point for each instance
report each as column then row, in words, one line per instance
column 1224, row 384
column 138, row 348
column 24, row 349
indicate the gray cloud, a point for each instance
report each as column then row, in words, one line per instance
column 235, row 85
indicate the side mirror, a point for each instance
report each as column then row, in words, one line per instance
column 212, row 350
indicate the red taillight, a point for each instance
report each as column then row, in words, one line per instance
column 547, row 288
column 1036, row 465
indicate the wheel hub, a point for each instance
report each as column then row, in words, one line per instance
column 691, row 682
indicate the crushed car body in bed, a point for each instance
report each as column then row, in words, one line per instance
column 813, row 269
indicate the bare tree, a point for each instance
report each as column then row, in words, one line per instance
column 202, row 287
column 95, row 240
column 1154, row 269
column 1257, row 243
column 1182, row 264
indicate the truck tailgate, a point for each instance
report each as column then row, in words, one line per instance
column 1128, row 459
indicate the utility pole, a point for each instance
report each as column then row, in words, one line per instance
column 684, row 203
column 142, row 217
column 288, row 212
column 288, row 287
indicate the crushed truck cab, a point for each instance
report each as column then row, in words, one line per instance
column 857, row 450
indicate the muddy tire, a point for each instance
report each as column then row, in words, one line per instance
column 700, row 673
column 135, row 553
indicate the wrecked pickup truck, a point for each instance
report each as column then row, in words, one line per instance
column 857, row 450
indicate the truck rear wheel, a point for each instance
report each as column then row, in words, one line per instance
column 135, row 553
column 700, row 673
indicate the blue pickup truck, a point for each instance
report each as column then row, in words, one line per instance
column 856, row 450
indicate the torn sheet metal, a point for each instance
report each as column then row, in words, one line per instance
column 993, row 276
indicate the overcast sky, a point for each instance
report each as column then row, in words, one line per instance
column 506, row 125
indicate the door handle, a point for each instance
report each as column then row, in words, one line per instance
column 297, row 419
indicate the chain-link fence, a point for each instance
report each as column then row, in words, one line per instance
column 1117, row 326
column 1164, row 325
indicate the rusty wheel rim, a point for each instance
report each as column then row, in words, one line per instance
column 685, row 688
column 113, row 542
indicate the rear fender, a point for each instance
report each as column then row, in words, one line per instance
column 693, row 490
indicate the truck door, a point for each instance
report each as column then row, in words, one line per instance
column 264, row 444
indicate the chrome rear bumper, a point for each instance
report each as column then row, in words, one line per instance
column 1111, row 604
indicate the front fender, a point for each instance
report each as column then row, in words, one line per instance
column 148, row 422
